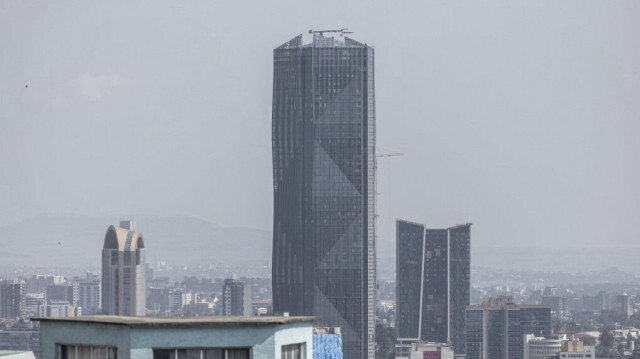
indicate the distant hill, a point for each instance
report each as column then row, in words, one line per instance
column 75, row 240
column 68, row 240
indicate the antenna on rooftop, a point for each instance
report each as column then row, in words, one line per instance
column 342, row 31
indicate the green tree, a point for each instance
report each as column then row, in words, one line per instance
column 606, row 336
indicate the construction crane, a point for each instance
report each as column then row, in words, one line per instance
column 375, row 168
column 342, row 31
column 393, row 154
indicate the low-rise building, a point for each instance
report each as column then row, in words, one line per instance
column 421, row 350
column 21, row 336
column 540, row 348
column 31, row 303
column 120, row 337
column 57, row 309
column 9, row 354
column 575, row 349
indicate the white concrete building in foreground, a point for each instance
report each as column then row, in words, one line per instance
column 8, row 354
column 126, row 337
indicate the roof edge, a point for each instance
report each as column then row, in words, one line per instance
column 180, row 321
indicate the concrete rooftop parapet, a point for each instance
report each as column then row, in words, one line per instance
column 180, row 321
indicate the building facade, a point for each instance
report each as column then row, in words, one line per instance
column 38, row 282
column 236, row 298
column 323, row 134
column 123, row 271
column 496, row 329
column 432, row 283
column 421, row 350
column 540, row 347
column 21, row 336
column 624, row 304
column 12, row 298
column 32, row 302
column 119, row 337
column 559, row 305
column 58, row 309
column 87, row 294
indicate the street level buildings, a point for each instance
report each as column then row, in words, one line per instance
column 323, row 134
column 123, row 271
column 432, row 283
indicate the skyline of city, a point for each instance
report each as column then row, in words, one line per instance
column 519, row 117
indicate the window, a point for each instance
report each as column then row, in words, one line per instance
column 292, row 351
column 86, row 352
column 210, row 353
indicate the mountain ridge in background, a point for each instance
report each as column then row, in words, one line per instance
column 77, row 240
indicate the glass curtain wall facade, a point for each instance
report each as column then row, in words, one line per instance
column 323, row 133
column 435, row 320
column 409, row 265
column 433, row 283
column 496, row 329
column 459, row 282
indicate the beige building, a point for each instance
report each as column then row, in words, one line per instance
column 575, row 349
column 123, row 271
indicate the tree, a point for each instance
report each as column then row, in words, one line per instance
column 606, row 336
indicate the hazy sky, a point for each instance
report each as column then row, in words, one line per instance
column 521, row 117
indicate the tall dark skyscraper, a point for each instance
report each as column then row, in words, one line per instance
column 324, row 186
column 433, row 283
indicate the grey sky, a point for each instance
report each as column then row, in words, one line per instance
column 521, row 117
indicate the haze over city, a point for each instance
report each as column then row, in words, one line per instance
column 519, row 117
column 321, row 180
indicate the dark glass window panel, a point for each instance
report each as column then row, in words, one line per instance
column 214, row 354
column 242, row 353
column 162, row 353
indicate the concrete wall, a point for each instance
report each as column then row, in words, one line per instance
column 265, row 341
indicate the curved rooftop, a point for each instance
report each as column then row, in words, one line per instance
column 122, row 239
